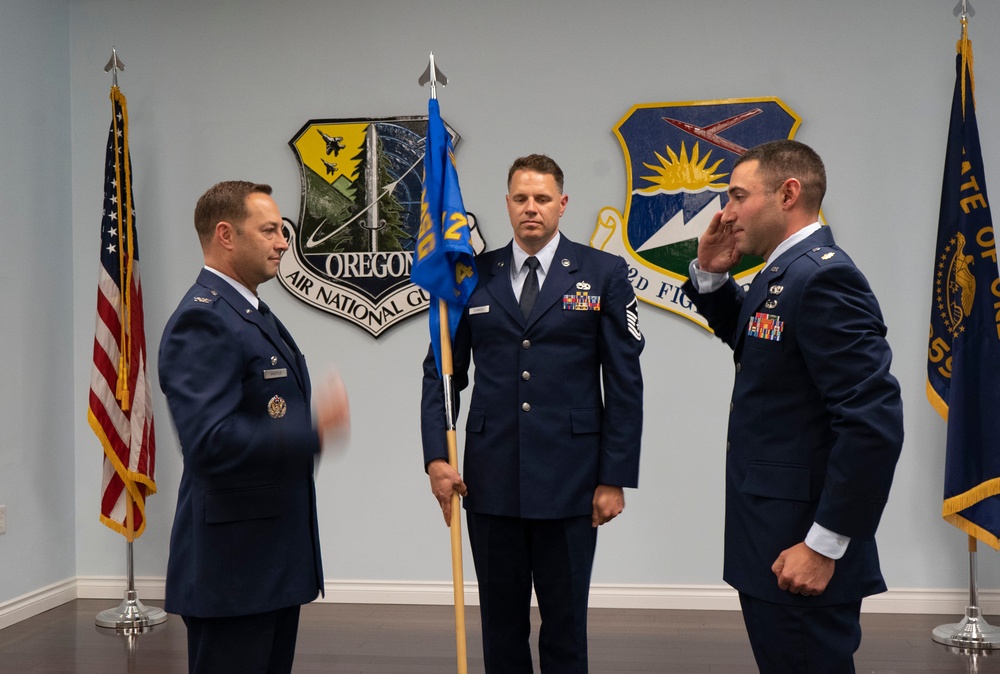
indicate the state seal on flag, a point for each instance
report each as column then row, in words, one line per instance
column 351, row 251
column 677, row 156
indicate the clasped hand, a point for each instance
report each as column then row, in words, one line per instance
column 802, row 570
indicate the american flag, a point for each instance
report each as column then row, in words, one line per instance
column 121, row 407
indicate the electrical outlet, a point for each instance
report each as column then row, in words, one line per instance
column 3, row 519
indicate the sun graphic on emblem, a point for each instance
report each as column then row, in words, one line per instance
column 683, row 173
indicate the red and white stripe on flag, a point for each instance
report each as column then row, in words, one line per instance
column 120, row 409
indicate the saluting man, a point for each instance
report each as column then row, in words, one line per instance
column 244, row 550
column 816, row 420
column 550, row 323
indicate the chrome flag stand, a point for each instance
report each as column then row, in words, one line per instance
column 131, row 613
column 972, row 632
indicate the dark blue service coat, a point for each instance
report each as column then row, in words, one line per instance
column 816, row 421
column 540, row 436
column 245, row 538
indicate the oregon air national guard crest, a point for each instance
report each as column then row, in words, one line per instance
column 351, row 252
column 677, row 158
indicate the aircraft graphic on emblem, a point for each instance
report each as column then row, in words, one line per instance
column 351, row 252
column 677, row 158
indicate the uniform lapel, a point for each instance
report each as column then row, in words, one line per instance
column 758, row 291
column 285, row 343
column 281, row 340
column 499, row 285
column 775, row 271
column 243, row 308
column 557, row 279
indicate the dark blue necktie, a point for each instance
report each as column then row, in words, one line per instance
column 272, row 322
column 529, row 293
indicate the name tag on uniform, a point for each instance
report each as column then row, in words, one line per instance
column 277, row 373
column 479, row 310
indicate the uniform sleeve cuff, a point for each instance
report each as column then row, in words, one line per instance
column 705, row 281
column 826, row 542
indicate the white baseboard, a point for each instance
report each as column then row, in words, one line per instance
column 676, row 597
column 39, row 601
column 113, row 587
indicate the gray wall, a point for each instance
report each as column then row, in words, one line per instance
column 215, row 91
column 41, row 410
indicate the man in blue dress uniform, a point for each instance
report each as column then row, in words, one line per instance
column 816, row 420
column 550, row 324
column 244, row 550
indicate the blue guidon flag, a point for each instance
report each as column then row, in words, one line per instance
column 443, row 260
column 963, row 355
column 677, row 158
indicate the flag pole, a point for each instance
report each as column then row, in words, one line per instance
column 447, row 370
column 131, row 614
column 972, row 633
column 433, row 76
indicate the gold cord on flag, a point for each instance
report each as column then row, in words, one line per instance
column 124, row 239
column 964, row 48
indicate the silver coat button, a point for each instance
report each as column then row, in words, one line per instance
column 739, row 366
column 525, row 375
column 526, row 344
column 526, row 407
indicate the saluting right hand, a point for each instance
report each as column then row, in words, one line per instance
column 717, row 247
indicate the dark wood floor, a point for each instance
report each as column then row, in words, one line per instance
column 385, row 639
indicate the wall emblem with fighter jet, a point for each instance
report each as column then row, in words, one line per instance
column 351, row 252
column 677, row 158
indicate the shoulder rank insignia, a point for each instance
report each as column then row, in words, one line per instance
column 203, row 300
column 822, row 254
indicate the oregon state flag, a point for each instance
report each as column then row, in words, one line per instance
column 443, row 263
column 963, row 358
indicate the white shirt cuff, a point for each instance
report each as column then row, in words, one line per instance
column 826, row 542
column 705, row 281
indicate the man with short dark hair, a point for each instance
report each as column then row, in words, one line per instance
column 244, row 550
column 550, row 323
column 816, row 420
